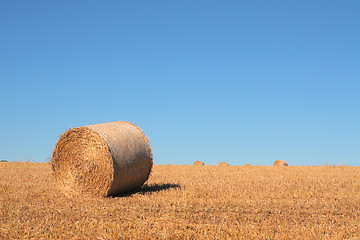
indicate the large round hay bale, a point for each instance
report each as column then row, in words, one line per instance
column 223, row 164
column 280, row 163
column 248, row 165
column 102, row 160
column 198, row 163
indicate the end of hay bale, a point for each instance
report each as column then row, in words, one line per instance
column 198, row 163
column 223, row 164
column 102, row 160
column 280, row 163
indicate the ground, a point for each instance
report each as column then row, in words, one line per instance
column 188, row 202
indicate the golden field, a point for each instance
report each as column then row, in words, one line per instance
column 188, row 202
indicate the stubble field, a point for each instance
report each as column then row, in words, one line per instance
column 188, row 202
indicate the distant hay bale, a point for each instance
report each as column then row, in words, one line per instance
column 102, row 160
column 280, row 163
column 248, row 165
column 198, row 163
column 223, row 164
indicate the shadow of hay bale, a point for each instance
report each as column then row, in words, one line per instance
column 152, row 188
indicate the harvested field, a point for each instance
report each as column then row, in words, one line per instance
column 183, row 202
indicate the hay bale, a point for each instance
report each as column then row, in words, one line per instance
column 280, row 163
column 223, row 164
column 102, row 160
column 249, row 165
column 198, row 163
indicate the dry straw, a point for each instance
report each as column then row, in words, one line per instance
column 249, row 165
column 280, row 163
column 102, row 160
column 198, row 163
column 224, row 164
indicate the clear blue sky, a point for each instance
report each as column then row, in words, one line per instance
column 235, row 81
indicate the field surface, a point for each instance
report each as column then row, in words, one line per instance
column 188, row 202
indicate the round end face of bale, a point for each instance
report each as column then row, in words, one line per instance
column 198, row 163
column 280, row 163
column 223, row 164
column 82, row 163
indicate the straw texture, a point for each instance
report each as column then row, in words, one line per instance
column 223, row 164
column 280, row 163
column 198, row 163
column 102, row 160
